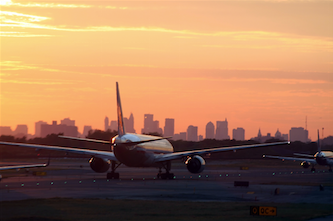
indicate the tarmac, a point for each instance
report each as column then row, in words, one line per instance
column 75, row 179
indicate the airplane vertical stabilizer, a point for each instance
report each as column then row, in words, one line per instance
column 121, row 125
column 318, row 143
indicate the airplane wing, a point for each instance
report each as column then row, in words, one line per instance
column 93, row 153
column 23, row 166
column 177, row 155
column 292, row 158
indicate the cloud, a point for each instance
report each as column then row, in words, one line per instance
column 9, row 3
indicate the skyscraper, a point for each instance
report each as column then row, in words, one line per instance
column 222, row 130
column 106, row 123
column 210, row 130
column 238, row 134
column 169, row 127
column 192, row 133
column 38, row 128
column 86, row 130
column 151, row 126
column 298, row 134
column 68, row 122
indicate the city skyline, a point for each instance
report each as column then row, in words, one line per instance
column 261, row 64
column 68, row 127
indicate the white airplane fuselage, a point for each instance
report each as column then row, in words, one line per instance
column 141, row 155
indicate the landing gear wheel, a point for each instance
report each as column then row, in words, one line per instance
column 167, row 176
column 112, row 175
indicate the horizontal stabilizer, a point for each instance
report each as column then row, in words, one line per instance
column 86, row 139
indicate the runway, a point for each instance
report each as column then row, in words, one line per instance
column 74, row 179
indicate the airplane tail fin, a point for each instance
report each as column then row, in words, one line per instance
column 121, row 125
column 318, row 143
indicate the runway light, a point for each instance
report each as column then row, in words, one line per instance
column 220, row 175
column 37, row 184
column 107, row 180
column 302, row 171
column 94, row 181
column 239, row 174
column 143, row 179
column 132, row 179
column 206, row 175
column 226, row 175
column 199, row 176
column 273, row 174
column 51, row 183
column 22, row 184
column 6, row 186
column 65, row 182
column 80, row 181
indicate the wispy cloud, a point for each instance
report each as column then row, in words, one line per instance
column 9, row 3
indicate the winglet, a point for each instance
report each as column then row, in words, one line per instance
column 318, row 143
column 121, row 125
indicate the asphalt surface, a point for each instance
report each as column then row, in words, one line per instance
column 74, row 179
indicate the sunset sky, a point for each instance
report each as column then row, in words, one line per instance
column 261, row 64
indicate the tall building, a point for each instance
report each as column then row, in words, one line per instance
column 129, row 124
column 86, row 130
column 21, row 130
column 169, row 127
column 210, row 130
column 114, row 125
column 106, row 123
column 278, row 134
column 238, row 134
column 298, row 134
column 68, row 122
column 192, row 133
column 151, row 126
column 55, row 128
column 38, row 128
column 222, row 130
column 4, row 130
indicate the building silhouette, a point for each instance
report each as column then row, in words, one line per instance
column 280, row 136
column 113, row 125
column 38, row 128
column 129, row 124
column 210, row 130
column 169, row 127
column 86, row 130
column 192, row 133
column 151, row 126
column 55, row 128
column 180, row 136
column 106, row 124
column 5, row 130
column 298, row 134
column 21, row 130
column 222, row 130
column 238, row 134
column 68, row 122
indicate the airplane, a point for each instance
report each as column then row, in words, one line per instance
column 324, row 158
column 137, row 150
column 23, row 167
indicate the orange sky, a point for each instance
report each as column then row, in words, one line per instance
column 261, row 64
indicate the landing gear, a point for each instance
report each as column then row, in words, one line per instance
column 167, row 175
column 113, row 174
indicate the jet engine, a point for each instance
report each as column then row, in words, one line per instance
column 305, row 164
column 195, row 164
column 99, row 165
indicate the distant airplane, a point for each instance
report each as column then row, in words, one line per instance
column 22, row 167
column 324, row 158
column 136, row 150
